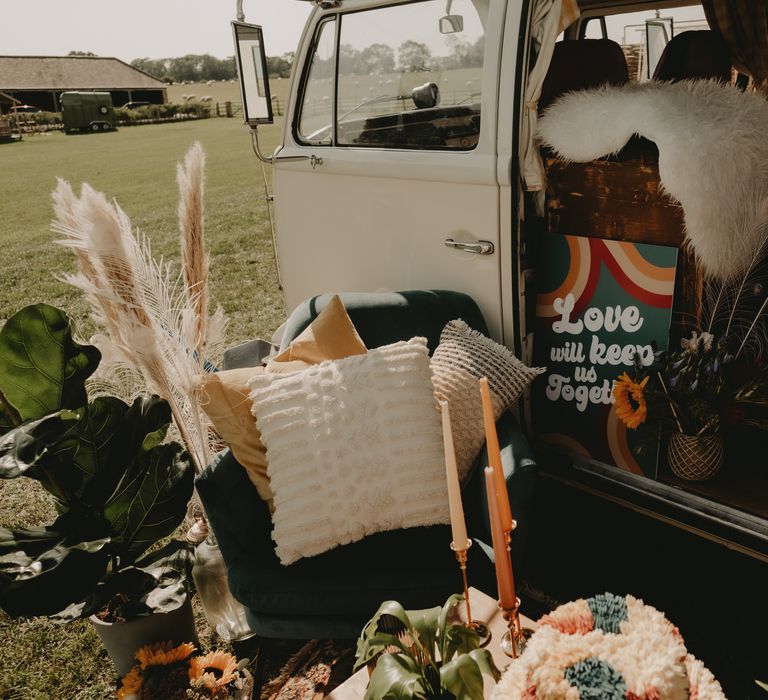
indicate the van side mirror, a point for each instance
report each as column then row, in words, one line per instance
column 252, row 71
column 426, row 96
column 451, row 24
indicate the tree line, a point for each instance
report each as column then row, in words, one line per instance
column 410, row 56
column 204, row 67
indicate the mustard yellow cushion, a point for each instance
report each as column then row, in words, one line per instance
column 224, row 398
column 224, row 395
column 331, row 336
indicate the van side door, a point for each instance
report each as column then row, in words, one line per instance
column 394, row 108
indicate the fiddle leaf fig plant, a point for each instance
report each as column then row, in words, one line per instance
column 42, row 369
column 119, row 487
column 423, row 654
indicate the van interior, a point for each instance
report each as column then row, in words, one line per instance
column 619, row 197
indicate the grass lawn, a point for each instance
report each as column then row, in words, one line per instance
column 137, row 166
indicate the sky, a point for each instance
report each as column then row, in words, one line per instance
column 143, row 28
column 166, row 28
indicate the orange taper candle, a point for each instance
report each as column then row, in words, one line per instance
column 494, row 457
column 505, row 580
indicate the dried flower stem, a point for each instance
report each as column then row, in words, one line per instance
column 755, row 320
column 671, row 403
column 195, row 263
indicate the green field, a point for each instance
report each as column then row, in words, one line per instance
column 223, row 91
column 137, row 166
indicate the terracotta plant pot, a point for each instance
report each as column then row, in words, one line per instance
column 123, row 639
column 695, row 457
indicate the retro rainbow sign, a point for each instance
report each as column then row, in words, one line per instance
column 601, row 304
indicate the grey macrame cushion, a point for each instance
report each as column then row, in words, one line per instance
column 460, row 360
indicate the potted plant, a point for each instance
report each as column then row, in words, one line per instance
column 118, row 486
column 166, row 671
column 425, row 654
column 689, row 395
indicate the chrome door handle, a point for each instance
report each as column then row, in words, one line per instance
column 479, row 248
column 314, row 160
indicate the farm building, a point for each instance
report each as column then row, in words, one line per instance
column 39, row 80
column 6, row 102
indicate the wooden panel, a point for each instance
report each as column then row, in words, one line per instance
column 611, row 199
column 621, row 199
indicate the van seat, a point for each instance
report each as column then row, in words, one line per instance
column 581, row 64
column 695, row 55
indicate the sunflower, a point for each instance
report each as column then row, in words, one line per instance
column 131, row 684
column 214, row 670
column 631, row 407
column 163, row 654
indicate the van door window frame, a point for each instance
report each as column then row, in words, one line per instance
column 305, row 71
column 338, row 18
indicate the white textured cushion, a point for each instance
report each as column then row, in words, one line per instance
column 354, row 447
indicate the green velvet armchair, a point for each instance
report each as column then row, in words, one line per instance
column 333, row 594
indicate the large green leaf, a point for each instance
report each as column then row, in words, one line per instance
column 383, row 630
column 158, row 583
column 112, row 436
column 42, row 369
column 43, row 569
column 80, row 456
column 425, row 624
column 151, row 498
column 31, row 450
column 458, row 639
column 396, row 677
column 370, row 647
column 462, row 678
column 484, row 661
column 444, row 622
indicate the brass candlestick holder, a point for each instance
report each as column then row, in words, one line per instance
column 481, row 628
column 514, row 639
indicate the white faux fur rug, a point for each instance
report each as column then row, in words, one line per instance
column 713, row 155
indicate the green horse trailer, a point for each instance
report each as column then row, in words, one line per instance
column 87, row 111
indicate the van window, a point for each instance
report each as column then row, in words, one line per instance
column 409, row 76
column 316, row 116
column 643, row 35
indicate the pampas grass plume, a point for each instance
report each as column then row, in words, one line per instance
column 157, row 322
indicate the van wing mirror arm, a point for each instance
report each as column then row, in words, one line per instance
column 269, row 160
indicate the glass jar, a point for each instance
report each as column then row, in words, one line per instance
column 224, row 614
